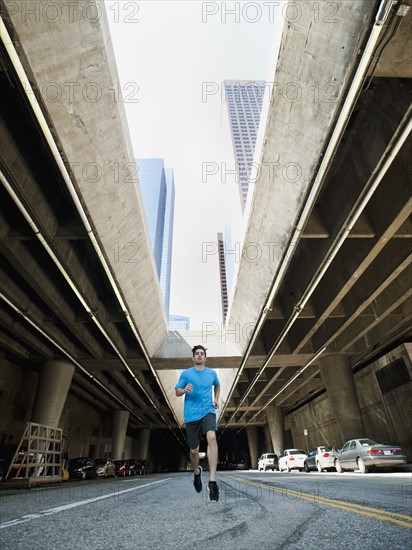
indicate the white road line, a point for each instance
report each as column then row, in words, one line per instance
column 43, row 513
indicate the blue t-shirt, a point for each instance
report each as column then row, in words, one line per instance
column 198, row 402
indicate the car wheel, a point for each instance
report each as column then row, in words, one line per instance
column 362, row 466
column 318, row 466
column 287, row 468
column 306, row 467
column 338, row 467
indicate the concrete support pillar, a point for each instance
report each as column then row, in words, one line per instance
column 52, row 388
column 337, row 374
column 252, row 439
column 120, row 420
column 144, row 440
column 274, row 417
column 268, row 448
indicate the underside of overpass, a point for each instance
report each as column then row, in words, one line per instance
column 78, row 280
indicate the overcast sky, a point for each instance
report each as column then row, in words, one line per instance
column 172, row 58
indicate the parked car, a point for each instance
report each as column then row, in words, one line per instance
column 291, row 459
column 82, row 468
column 268, row 461
column 139, row 467
column 363, row 454
column 320, row 459
column 105, row 467
column 122, row 468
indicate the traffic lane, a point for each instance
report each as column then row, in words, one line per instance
column 167, row 515
column 389, row 491
column 166, row 512
column 19, row 502
column 340, row 519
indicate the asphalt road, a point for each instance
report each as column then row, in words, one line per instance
column 263, row 511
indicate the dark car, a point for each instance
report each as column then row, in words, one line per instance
column 82, row 468
column 139, row 467
column 364, row 454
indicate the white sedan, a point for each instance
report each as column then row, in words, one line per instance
column 292, row 459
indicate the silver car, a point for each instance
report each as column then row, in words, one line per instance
column 320, row 459
column 363, row 454
column 105, row 467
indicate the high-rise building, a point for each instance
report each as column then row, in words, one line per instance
column 152, row 180
column 158, row 192
column 244, row 103
column 166, row 267
column 222, row 274
column 179, row 322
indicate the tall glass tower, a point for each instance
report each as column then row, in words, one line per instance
column 158, row 192
column 244, row 104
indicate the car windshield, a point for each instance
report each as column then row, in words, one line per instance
column 297, row 452
column 271, row 456
column 100, row 461
column 324, row 449
column 119, row 462
column 367, row 442
column 77, row 463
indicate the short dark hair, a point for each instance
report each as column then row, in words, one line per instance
column 198, row 347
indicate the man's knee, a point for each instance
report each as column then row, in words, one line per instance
column 211, row 437
column 194, row 452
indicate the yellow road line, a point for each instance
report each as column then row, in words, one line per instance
column 375, row 513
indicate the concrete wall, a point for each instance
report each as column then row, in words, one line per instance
column 386, row 416
column 17, row 391
column 85, row 428
column 86, row 437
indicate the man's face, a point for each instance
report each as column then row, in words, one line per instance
column 199, row 357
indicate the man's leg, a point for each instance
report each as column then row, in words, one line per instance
column 194, row 460
column 197, row 470
column 212, row 454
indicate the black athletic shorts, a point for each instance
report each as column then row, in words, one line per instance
column 196, row 429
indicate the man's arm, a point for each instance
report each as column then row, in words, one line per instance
column 217, row 395
column 181, row 391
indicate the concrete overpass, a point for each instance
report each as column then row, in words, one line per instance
column 329, row 213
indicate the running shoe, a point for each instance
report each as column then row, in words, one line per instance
column 198, row 481
column 213, row 491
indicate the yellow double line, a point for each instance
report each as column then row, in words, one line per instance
column 375, row 513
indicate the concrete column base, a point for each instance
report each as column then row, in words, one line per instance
column 120, row 421
column 274, row 417
column 144, row 440
column 52, row 389
column 337, row 374
column 252, row 439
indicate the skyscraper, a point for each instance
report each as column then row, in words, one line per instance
column 179, row 322
column 244, row 104
column 166, row 265
column 222, row 274
column 158, row 192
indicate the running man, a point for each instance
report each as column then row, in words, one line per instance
column 200, row 405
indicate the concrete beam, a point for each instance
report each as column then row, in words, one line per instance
column 73, row 58
column 310, row 55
